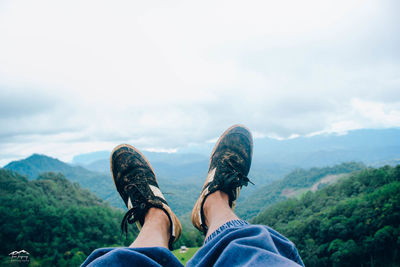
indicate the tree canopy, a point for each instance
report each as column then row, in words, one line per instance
column 355, row 222
column 56, row 221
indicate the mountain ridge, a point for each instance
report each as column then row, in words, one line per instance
column 36, row 164
column 272, row 159
column 180, row 196
column 298, row 180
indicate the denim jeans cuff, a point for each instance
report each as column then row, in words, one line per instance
column 222, row 228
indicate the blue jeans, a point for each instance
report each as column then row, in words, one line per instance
column 235, row 243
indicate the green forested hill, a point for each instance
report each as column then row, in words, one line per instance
column 296, row 181
column 181, row 196
column 355, row 222
column 56, row 221
column 98, row 183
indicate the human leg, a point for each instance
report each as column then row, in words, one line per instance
column 229, row 240
column 217, row 211
column 135, row 180
column 155, row 231
column 234, row 242
column 238, row 243
column 229, row 165
column 150, row 248
column 150, row 256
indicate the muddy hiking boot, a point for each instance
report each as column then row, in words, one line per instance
column 137, row 184
column 229, row 165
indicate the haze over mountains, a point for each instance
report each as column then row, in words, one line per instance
column 182, row 174
column 371, row 146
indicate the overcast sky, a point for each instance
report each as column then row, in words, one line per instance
column 82, row 76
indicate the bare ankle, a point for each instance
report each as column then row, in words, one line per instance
column 215, row 205
column 218, row 198
column 217, row 211
column 155, row 230
column 158, row 216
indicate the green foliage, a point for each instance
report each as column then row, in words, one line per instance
column 355, row 222
column 185, row 257
column 297, row 179
column 180, row 196
column 100, row 184
column 56, row 221
column 190, row 238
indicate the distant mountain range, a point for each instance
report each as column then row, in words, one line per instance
column 354, row 212
column 182, row 174
column 273, row 158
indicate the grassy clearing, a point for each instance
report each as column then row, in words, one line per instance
column 184, row 257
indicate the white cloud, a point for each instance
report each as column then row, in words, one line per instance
column 378, row 114
column 80, row 76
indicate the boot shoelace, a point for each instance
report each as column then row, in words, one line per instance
column 138, row 210
column 230, row 178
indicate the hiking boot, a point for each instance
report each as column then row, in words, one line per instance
column 229, row 165
column 137, row 184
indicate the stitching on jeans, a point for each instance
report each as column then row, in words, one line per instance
column 230, row 224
